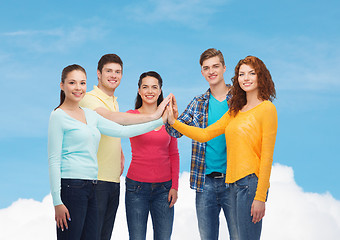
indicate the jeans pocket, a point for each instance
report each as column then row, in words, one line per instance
column 73, row 183
column 246, row 182
column 167, row 185
column 130, row 187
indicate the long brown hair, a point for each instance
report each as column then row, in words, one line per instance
column 64, row 74
column 139, row 101
column 266, row 85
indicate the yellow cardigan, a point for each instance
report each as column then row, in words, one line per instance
column 250, row 139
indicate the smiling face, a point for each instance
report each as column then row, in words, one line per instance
column 213, row 70
column 109, row 78
column 74, row 86
column 149, row 90
column 247, row 79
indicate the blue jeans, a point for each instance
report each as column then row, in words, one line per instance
column 80, row 199
column 243, row 191
column 107, row 205
column 215, row 196
column 142, row 198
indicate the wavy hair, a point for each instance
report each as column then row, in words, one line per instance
column 266, row 87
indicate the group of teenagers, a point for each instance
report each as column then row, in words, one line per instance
column 232, row 127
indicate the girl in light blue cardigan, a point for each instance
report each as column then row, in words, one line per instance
column 73, row 138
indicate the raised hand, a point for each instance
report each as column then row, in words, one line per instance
column 160, row 109
column 165, row 116
column 171, row 118
column 174, row 107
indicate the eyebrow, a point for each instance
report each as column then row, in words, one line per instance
column 106, row 68
column 216, row 64
column 150, row 85
column 76, row 80
column 253, row 70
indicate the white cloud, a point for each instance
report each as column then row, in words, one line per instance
column 54, row 40
column 55, row 32
column 291, row 214
column 193, row 13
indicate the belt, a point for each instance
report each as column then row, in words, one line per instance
column 216, row 175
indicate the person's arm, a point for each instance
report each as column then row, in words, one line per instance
column 174, row 161
column 55, row 142
column 269, row 130
column 129, row 119
column 196, row 133
column 54, row 149
column 113, row 129
column 186, row 117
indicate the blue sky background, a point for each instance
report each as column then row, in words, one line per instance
column 297, row 40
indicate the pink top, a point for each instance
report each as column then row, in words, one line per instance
column 155, row 157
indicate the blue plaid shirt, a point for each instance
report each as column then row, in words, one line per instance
column 196, row 114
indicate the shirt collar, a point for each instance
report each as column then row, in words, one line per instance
column 206, row 95
column 103, row 95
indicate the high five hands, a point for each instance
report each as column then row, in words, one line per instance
column 170, row 112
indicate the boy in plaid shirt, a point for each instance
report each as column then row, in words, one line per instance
column 208, row 160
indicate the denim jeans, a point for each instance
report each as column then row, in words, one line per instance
column 244, row 191
column 107, row 205
column 80, row 199
column 215, row 196
column 142, row 198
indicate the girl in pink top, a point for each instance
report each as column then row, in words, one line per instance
column 152, row 178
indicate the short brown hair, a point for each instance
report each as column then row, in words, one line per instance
column 210, row 53
column 109, row 58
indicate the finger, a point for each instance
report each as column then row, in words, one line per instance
column 169, row 110
column 174, row 199
column 168, row 99
column 61, row 225
column 65, row 222
column 172, row 203
column 68, row 214
column 174, row 99
column 258, row 217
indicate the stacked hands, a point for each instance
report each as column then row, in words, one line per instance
column 168, row 109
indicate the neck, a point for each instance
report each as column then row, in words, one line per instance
column 109, row 92
column 70, row 105
column 148, row 108
column 219, row 91
column 252, row 98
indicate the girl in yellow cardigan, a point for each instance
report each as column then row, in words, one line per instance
column 250, row 128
